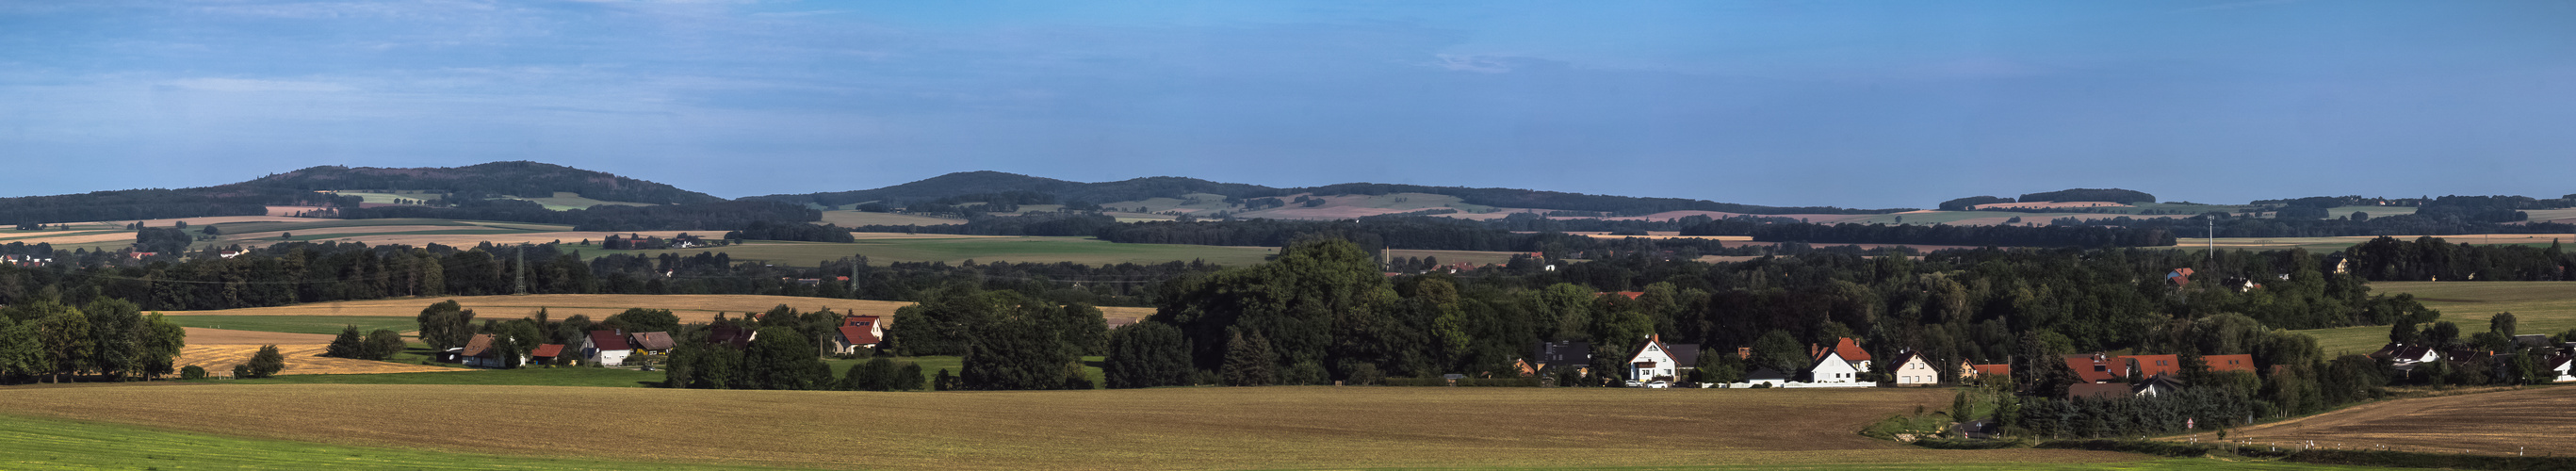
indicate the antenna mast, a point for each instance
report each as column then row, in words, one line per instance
column 522, row 287
column 2213, row 241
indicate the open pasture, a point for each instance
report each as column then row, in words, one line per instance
column 329, row 316
column 980, row 249
column 1173, row 428
column 2538, row 307
column 2539, row 421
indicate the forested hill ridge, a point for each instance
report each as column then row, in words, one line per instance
column 984, row 186
column 473, row 185
column 490, row 180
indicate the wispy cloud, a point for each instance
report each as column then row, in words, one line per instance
column 2235, row 5
column 251, row 85
column 1465, row 63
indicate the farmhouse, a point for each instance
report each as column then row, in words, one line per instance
column 1999, row 370
column 857, row 332
column 546, row 354
column 2404, row 357
column 1849, row 350
column 2179, row 277
column 1566, row 354
column 730, row 336
column 605, row 348
column 652, row 343
column 1911, row 370
column 1656, row 360
column 1830, row 368
column 479, row 352
column 2564, row 366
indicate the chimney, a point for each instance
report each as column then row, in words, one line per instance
column 1812, row 350
column 1744, row 352
column 1654, row 338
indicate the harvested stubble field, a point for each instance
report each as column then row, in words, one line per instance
column 2538, row 307
column 689, row 307
column 301, row 359
column 2538, row 421
column 1176, row 428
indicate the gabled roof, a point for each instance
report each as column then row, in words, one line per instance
column 608, row 340
column 856, row 335
column 1849, row 349
column 859, row 321
column 1903, row 358
column 548, row 350
column 731, row 336
column 2243, row 363
column 2001, row 369
column 1685, row 355
column 653, row 340
column 477, row 346
column 2093, row 368
column 1562, row 353
column 2154, row 365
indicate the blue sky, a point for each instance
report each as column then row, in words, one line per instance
column 1858, row 104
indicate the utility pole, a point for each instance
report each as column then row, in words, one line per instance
column 855, row 260
column 2213, row 242
column 522, row 288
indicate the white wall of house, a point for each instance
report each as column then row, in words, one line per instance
column 1916, row 372
column 1651, row 362
column 1833, row 370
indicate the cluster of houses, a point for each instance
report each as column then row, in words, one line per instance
column 618, row 347
column 2106, row 376
column 1836, row 366
column 24, row 260
column 2405, row 357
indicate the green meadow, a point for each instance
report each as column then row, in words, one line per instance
column 2538, row 307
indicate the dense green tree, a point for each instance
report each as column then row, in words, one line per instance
column 382, row 344
column 349, row 344
column 1250, row 361
column 446, row 325
column 1147, row 354
column 2502, row 324
column 264, row 363
column 64, row 334
column 1780, row 352
column 781, row 358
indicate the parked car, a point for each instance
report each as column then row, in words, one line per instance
column 1636, row 384
column 1659, row 384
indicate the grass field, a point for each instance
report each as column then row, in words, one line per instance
column 2540, row 421
column 28, row 443
column 981, row 249
column 2538, row 307
column 1176, row 428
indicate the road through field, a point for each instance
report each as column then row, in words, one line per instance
column 1172, row 428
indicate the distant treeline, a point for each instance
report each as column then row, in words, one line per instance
column 2114, row 195
column 2429, row 259
column 2421, row 223
column 800, row 232
column 458, row 185
column 1999, row 236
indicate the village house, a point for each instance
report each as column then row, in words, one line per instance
column 1566, row 354
column 857, row 332
column 605, row 348
column 2095, row 368
column 2219, row 363
column 2404, row 357
column 1832, row 368
column 1656, row 360
column 1849, row 350
column 2179, row 277
column 2156, row 386
column 547, row 354
column 651, row 343
column 479, row 353
column 2001, row 371
column 1909, row 369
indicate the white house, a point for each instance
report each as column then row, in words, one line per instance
column 1832, row 369
column 2404, row 357
column 1911, row 370
column 606, row 348
column 857, row 332
column 1657, row 360
column 2563, row 366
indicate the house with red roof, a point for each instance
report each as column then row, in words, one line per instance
column 2147, row 366
column 1999, row 370
column 857, row 332
column 546, row 354
column 1847, row 349
column 2095, row 368
column 605, row 347
column 2216, row 363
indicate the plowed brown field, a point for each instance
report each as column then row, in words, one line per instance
column 1172, row 428
column 2537, row 421
column 690, row 307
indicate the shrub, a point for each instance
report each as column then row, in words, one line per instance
column 382, row 344
column 193, row 371
column 264, row 364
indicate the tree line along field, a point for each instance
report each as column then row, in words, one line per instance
column 2539, row 307
column 956, row 249
column 1174, row 428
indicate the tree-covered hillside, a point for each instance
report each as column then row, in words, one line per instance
column 988, row 182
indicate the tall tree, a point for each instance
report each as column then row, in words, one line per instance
column 1147, row 354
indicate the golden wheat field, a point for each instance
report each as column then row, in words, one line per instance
column 2538, row 421
column 1174, row 428
column 301, row 359
column 690, row 307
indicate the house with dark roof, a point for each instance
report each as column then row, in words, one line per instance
column 2564, row 365
column 1909, row 369
column 731, row 337
column 1657, row 360
column 857, row 332
column 1565, row 354
column 2404, row 356
column 652, row 343
column 480, row 352
column 605, row 347
column 2156, row 386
